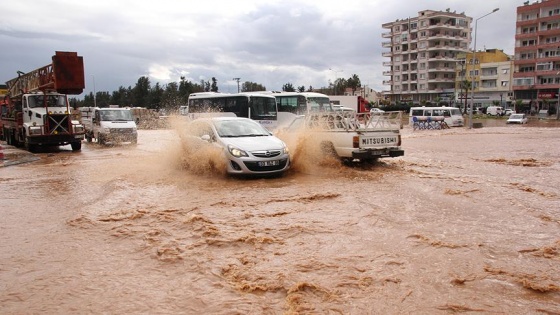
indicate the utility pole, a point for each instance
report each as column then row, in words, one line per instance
column 237, row 79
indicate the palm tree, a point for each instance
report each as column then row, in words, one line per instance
column 466, row 85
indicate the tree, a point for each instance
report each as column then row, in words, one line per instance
column 157, row 94
column 141, row 93
column 214, row 87
column 288, row 87
column 517, row 105
column 354, row 83
column 465, row 85
column 301, row 88
column 252, row 86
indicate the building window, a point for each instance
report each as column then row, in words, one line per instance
column 505, row 71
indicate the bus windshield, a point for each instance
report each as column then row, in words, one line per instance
column 256, row 106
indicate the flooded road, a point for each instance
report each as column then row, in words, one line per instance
column 467, row 221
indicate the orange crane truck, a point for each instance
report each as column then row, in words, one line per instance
column 35, row 112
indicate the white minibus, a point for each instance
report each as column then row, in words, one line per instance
column 452, row 115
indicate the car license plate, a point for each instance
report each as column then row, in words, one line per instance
column 369, row 141
column 269, row 163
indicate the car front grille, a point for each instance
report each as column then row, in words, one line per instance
column 266, row 154
column 121, row 130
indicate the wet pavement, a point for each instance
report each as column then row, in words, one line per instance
column 468, row 221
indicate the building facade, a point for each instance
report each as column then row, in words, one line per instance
column 490, row 73
column 423, row 55
column 536, row 78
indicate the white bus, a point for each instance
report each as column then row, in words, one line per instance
column 452, row 115
column 292, row 104
column 259, row 107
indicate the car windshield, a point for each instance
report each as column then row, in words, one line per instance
column 240, row 128
column 514, row 116
column 115, row 115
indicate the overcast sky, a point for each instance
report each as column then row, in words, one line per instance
column 269, row 42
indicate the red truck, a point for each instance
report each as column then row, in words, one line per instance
column 35, row 112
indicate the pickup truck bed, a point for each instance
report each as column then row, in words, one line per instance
column 352, row 136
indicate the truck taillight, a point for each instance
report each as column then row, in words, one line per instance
column 399, row 141
column 356, row 141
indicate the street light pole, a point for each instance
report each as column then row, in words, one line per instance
column 237, row 79
column 335, row 78
column 473, row 67
column 94, row 93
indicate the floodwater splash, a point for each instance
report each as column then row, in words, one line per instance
column 194, row 154
column 307, row 154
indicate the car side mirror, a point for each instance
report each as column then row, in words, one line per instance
column 206, row 138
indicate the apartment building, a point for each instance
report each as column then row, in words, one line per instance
column 536, row 78
column 423, row 55
column 490, row 73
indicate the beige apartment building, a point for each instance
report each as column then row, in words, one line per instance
column 423, row 54
column 491, row 74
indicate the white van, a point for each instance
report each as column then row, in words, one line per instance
column 109, row 124
column 452, row 115
column 495, row 110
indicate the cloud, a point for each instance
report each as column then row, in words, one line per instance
column 271, row 43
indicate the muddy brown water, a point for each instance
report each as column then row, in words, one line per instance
column 467, row 221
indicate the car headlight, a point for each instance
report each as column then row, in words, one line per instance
column 236, row 152
column 286, row 150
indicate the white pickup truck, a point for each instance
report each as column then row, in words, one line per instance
column 352, row 136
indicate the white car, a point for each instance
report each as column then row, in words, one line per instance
column 375, row 110
column 517, row 119
column 509, row 112
column 342, row 108
column 247, row 147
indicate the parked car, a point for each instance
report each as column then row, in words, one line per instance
column 342, row 108
column 248, row 147
column 375, row 110
column 517, row 119
column 509, row 111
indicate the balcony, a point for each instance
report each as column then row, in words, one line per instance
column 387, row 82
column 386, row 44
column 387, row 73
column 387, row 54
column 387, row 63
column 386, row 35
